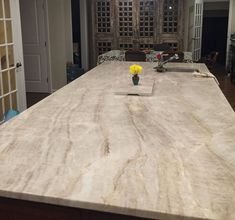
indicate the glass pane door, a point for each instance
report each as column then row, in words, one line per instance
column 8, row 90
column 198, row 19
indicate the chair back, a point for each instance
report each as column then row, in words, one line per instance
column 213, row 56
column 132, row 55
column 161, row 47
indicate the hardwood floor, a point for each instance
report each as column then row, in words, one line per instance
column 227, row 87
column 33, row 98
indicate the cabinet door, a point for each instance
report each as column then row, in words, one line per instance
column 103, row 25
column 137, row 21
column 126, row 21
column 171, row 23
column 136, row 24
column 147, row 23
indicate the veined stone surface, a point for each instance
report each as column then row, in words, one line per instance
column 125, row 87
column 166, row 156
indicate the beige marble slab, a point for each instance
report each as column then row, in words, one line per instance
column 167, row 156
column 144, row 88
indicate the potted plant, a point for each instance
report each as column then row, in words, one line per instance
column 135, row 70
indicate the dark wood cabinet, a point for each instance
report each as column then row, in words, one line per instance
column 13, row 209
column 136, row 24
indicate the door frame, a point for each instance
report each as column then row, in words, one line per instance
column 198, row 25
column 18, row 54
column 47, row 35
column 49, row 73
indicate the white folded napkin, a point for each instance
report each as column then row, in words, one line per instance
column 207, row 74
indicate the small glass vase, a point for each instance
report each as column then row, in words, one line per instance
column 135, row 79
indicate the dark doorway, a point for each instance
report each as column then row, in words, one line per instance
column 76, row 32
column 215, row 30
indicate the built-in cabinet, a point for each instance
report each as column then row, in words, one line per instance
column 136, row 24
column 14, row 209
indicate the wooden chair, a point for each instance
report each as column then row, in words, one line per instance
column 132, row 55
column 210, row 59
column 161, row 47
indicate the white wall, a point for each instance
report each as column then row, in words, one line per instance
column 60, row 40
column 232, row 16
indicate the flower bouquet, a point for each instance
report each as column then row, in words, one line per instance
column 135, row 70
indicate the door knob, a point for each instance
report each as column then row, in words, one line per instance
column 18, row 64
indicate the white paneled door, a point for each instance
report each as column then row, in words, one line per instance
column 197, row 29
column 34, row 44
column 12, row 82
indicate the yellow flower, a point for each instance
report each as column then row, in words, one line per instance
column 135, row 69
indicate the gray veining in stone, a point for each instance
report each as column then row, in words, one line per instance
column 125, row 87
column 166, row 156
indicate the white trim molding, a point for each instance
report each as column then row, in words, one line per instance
column 17, row 35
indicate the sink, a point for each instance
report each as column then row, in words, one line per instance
column 181, row 69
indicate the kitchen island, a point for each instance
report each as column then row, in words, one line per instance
column 86, row 153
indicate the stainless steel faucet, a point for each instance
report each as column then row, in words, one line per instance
column 161, row 63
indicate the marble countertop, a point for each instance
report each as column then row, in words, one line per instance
column 166, row 156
